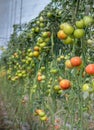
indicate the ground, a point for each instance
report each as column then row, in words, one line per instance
column 3, row 117
column 5, row 124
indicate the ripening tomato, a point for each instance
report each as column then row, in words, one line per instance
column 90, row 69
column 41, row 113
column 67, row 28
column 38, row 111
column 57, row 127
column 36, row 48
column 79, row 33
column 88, row 20
column 68, row 64
column 61, row 35
column 80, row 24
column 39, row 77
column 44, row 118
column 76, row 61
column 65, row 84
column 36, row 53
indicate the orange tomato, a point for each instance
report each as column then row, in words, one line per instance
column 65, row 84
column 38, row 111
column 39, row 77
column 90, row 69
column 76, row 61
column 36, row 48
column 61, row 35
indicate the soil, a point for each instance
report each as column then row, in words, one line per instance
column 4, row 124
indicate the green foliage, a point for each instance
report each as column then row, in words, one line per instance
column 35, row 63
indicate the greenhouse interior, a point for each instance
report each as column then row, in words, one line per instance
column 46, row 64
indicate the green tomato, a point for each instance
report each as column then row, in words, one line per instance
column 30, row 54
column 43, row 44
column 85, row 87
column 49, row 15
column 38, row 22
column 42, row 114
column 67, row 28
column 79, row 33
column 37, row 29
column 60, row 92
column 45, row 34
column 40, row 39
column 33, row 30
column 41, row 25
column 88, row 20
column 47, row 39
column 89, row 41
column 41, row 19
column 80, row 24
column 56, row 88
column 68, row 40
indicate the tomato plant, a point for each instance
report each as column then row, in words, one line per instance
column 44, row 71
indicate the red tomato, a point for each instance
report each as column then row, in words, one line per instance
column 90, row 69
column 76, row 61
column 65, row 84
